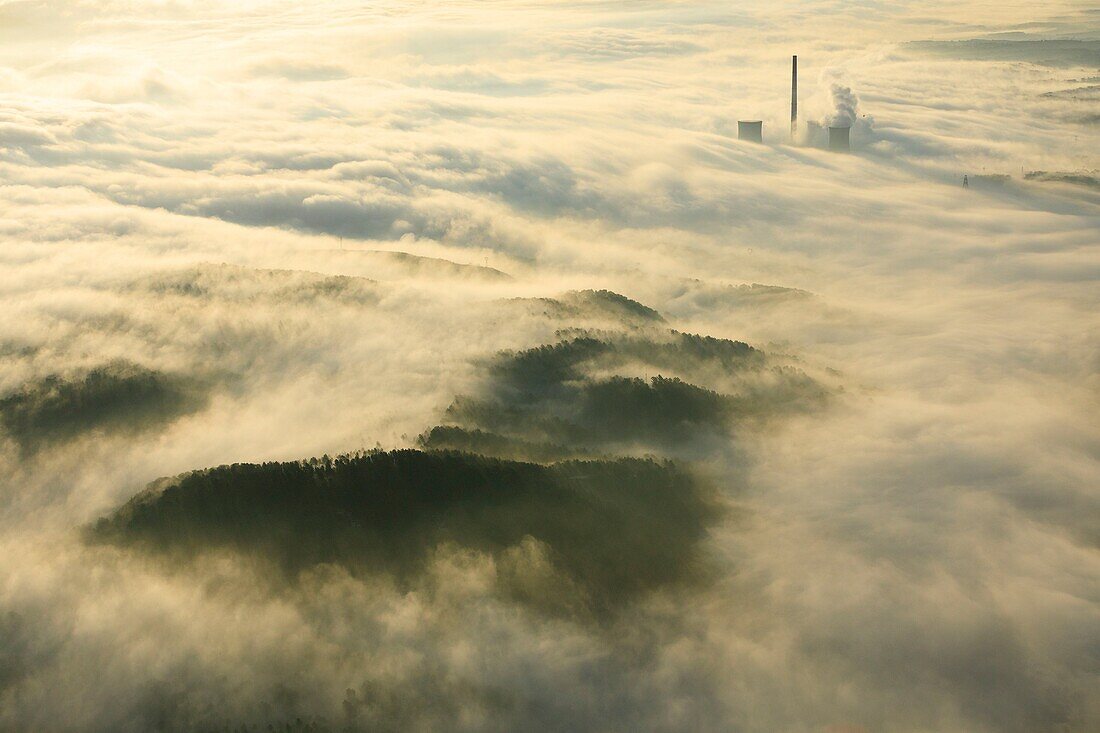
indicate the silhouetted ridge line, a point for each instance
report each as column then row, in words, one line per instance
column 595, row 304
column 486, row 443
column 247, row 284
column 419, row 265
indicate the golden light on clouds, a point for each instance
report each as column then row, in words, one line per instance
column 454, row 366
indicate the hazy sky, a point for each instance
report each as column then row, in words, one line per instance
column 921, row 555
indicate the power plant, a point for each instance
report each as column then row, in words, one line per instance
column 750, row 130
column 839, row 135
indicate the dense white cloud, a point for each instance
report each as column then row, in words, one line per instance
column 182, row 183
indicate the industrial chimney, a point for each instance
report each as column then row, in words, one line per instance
column 794, row 97
column 839, row 139
column 750, row 130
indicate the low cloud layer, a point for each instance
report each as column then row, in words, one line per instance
column 741, row 436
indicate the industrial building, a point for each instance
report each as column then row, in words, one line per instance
column 753, row 130
column 750, row 130
column 840, row 139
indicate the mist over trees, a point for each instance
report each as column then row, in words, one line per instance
column 118, row 397
column 495, row 384
column 602, row 532
column 581, row 537
column 568, row 394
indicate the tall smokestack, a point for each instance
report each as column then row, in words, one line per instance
column 794, row 97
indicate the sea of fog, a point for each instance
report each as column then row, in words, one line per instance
column 372, row 366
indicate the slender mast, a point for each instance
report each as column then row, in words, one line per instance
column 794, row 97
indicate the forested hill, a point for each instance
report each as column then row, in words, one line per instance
column 608, row 530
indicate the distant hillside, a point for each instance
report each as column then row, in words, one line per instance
column 119, row 396
column 605, row 305
column 1054, row 52
column 247, row 284
column 579, row 396
column 392, row 264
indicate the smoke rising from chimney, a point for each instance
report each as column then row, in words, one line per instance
column 845, row 106
column 838, row 106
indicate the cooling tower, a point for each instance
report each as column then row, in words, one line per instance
column 839, row 139
column 751, row 130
